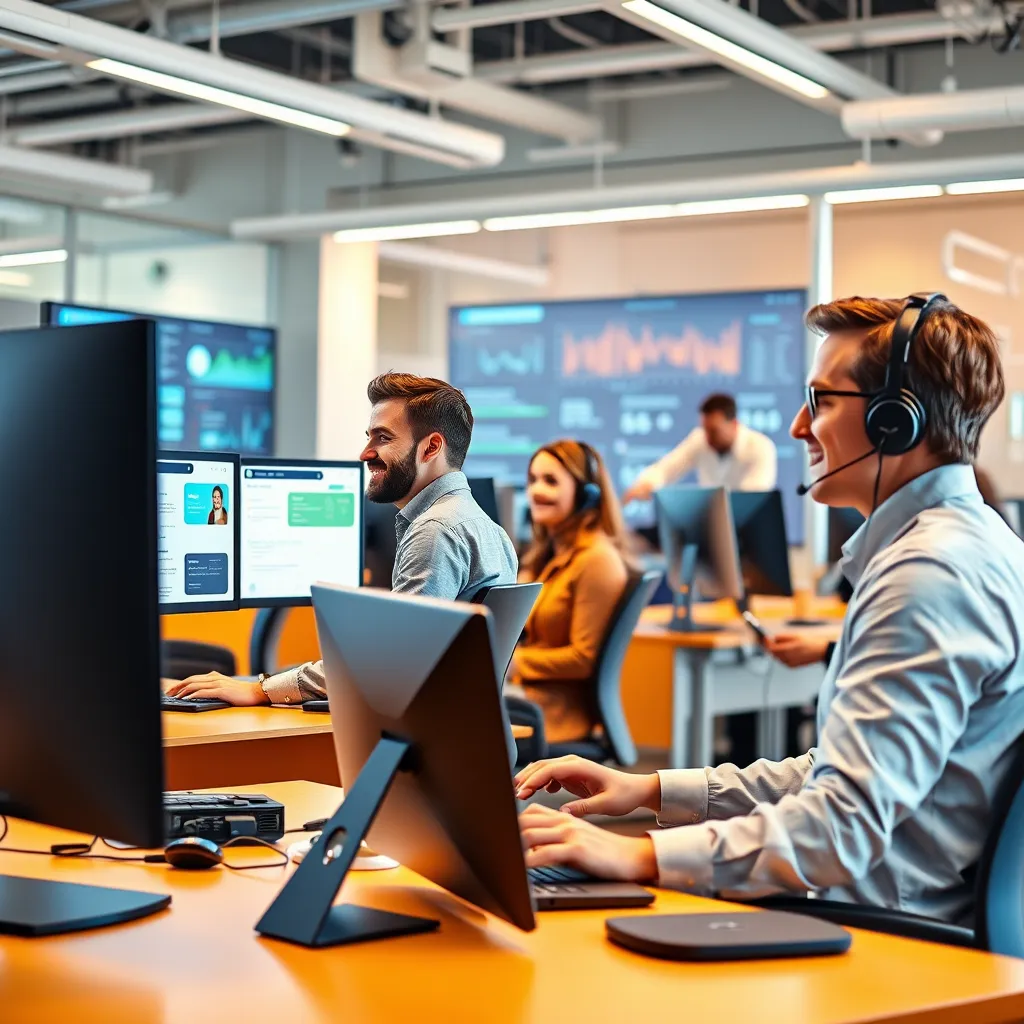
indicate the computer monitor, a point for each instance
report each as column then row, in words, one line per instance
column 381, row 542
column 215, row 380
column 843, row 523
column 301, row 522
column 698, row 540
column 485, row 495
column 761, row 539
column 80, row 732
column 198, row 508
column 419, row 734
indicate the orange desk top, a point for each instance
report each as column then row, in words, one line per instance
column 239, row 724
column 734, row 632
column 200, row 960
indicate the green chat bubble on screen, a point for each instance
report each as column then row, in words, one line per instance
column 321, row 509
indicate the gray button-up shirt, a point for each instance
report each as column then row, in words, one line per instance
column 448, row 547
column 917, row 718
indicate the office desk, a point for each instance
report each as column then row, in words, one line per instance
column 200, row 960
column 719, row 672
column 218, row 749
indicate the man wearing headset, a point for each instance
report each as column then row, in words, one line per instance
column 923, row 704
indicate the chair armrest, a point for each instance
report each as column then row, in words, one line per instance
column 874, row 919
column 524, row 712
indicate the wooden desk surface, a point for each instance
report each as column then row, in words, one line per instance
column 772, row 611
column 229, row 725
column 201, row 958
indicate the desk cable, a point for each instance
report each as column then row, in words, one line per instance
column 84, row 850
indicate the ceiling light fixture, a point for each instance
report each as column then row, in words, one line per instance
column 978, row 188
column 396, row 232
column 222, row 97
column 14, row 279
column 880, row 195
column 33, row 259
column 703, row 208
column 727, row 49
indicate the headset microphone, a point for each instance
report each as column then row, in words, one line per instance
column 803, row 489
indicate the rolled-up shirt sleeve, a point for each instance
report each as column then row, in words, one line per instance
column 306, row 682
column 920, row 647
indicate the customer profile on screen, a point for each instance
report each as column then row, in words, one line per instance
column 218, row 514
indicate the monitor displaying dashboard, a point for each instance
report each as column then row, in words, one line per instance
column 628, row 376
column 197, row 531
column 301, row 523
column 215, row 381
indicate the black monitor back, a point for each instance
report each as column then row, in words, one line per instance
column 380, row 543
column 486, row 496
column 843, row 523
column 80, row 733
column 422, row 671
column 762, row 542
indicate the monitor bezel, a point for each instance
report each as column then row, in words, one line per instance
column 184, row 607
column 253, row 461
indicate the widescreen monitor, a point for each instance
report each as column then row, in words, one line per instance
column 627, row 376
column 215, row 381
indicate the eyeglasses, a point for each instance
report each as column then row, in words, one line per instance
column 812, row 394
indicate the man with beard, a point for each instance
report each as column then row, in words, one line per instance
column 419, row 433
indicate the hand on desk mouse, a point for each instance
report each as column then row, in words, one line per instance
column 555, row 838
column 603, row 790
column 213, row 684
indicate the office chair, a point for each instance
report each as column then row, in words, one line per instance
column 510, row 606
column 180, row 659
column 998, row 888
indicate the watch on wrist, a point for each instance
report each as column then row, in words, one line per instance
column 262, row 680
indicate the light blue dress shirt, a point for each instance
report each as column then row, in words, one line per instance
column 917, row 718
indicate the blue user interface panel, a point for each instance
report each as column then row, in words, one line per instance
column 215, row 381
column 197, row 531
column 628, row 376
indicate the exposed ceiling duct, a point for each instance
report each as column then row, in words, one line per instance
column 753, row 47
column 812, row 181
column 42, row 31
column 505, row 12
column 637, row 58
column 968, row 111
column 70, row 173
column 435, row 71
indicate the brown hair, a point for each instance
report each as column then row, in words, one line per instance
column 954, row 367
column 719, row 402
column 607, row 517
column 432, row 405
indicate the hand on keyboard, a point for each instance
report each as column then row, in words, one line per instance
column 219, row 687
column 555, row 839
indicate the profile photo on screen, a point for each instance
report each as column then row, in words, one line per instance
column 218, row 513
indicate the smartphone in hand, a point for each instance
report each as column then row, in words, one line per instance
column 755, row 624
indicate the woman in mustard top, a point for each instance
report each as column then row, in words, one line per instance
column 578, row 554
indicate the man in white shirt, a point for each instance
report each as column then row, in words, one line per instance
column 723, row 451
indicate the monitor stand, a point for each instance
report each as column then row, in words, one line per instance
column 33, row 907
column 682, row 599
column 303, row 910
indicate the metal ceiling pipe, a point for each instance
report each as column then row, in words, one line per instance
column 124, row 123
column 268, row 16
column 506, row 12
column 968, row 111
column 35, row 80
column 807, row 181
column 70, row 172
column 828, row 37
column 54, row 102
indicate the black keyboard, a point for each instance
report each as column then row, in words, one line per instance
column 560, row 876
column 192, row 704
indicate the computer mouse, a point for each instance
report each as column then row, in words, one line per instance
column 193, row 853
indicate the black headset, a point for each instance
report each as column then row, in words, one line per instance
column 895, row 419
column 588, row 494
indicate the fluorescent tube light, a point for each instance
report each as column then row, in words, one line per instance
column 707, row 207
column 390, row 234
column 977, row 188
column 211, row 94
column 880, row 195
column 725, row 48
column 33, row 259
column 14, row 279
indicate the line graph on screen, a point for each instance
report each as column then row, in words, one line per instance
column 619, row 352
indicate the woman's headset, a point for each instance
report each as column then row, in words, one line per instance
column 588, row 493
column 895, row 419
